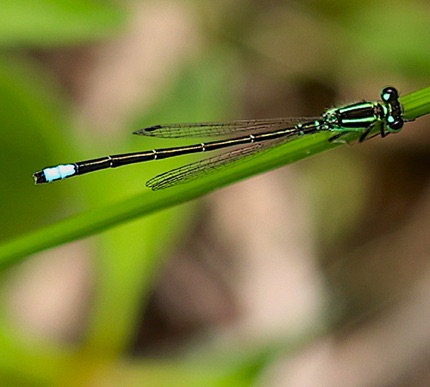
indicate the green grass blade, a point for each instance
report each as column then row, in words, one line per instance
column 96, row 220
column 416, row 104
column 99, row 219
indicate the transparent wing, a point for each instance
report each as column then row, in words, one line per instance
column 208, row 129
column 210, row 165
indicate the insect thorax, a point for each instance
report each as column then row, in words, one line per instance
column 358, row 116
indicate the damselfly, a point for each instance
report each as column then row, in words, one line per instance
column 244, row 139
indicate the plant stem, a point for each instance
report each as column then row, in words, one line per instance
column 416, row 104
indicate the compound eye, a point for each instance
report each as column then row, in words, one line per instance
column 389, row 94
column 396, row 125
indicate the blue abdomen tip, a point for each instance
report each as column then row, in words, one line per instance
column 59, row 172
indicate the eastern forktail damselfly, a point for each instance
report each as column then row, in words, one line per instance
column 243, row 139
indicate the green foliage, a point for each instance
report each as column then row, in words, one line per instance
column 42, row 23
column 29, row 114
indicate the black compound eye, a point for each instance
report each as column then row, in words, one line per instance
column 389, row 94
column 396, row 125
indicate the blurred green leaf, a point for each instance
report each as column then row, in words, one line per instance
column 33, row 118
column 25, row 361
column 45, row 22
column 385, row 33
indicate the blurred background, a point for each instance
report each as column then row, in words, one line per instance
column 315, row 274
